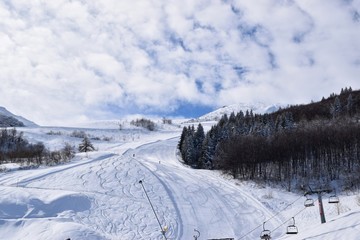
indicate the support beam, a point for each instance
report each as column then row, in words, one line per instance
column 319, row 192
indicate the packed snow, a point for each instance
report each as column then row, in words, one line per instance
column 98, row 195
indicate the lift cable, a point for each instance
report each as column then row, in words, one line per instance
column 270, row 218
column 288, row 219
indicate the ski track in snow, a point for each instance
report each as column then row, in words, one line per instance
column 120, row 209
column 99, row 197
column 218, row 203
column 111, row 184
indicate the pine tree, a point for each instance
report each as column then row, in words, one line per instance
column 208, row 151
column 210, row 143
column 279, row 122
column 223, row 120
column 86, row 145
column 232, row 118
column 199, row 137
column 336, row 108
column 289, row 120
column 182, row 138
column 349, row 105
column 188, row 149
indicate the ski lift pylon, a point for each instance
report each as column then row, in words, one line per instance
column 265, row 234
column 292, row 229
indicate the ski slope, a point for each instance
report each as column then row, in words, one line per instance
column 200, row 199
column 98, row 196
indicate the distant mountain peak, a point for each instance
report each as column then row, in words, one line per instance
column 260, row 108
column 8, row 119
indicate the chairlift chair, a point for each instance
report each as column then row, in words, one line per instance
column 333, row 199
column 265, row 234
column 309, row 202
column 292, row 229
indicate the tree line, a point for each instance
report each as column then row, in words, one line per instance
column 16, row 149
column 294, row 146
column 145, row 123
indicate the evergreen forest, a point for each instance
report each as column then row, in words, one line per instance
column 316, row 144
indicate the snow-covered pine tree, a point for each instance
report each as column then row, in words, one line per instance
column 86, row 145
column 336, row 108
column 350, row 105
column 208, row 150
column 199, row 137
column 182, row 138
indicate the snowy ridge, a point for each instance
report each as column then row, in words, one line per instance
column 27, row 123
column 125, row 123
column 260, row 108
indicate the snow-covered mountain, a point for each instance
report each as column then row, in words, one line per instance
column 97, row 196
column 27, row 123
column 260, row 108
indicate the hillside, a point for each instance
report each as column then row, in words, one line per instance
column 97, row 196
column 8, row 119
column 349, row 104
column 315, row 144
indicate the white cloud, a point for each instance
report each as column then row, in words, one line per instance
column 66, row 61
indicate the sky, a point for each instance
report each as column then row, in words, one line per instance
column 69, row 61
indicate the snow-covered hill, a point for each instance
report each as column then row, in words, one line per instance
column 27, row 123
column 98, row 196
column 260, row 108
